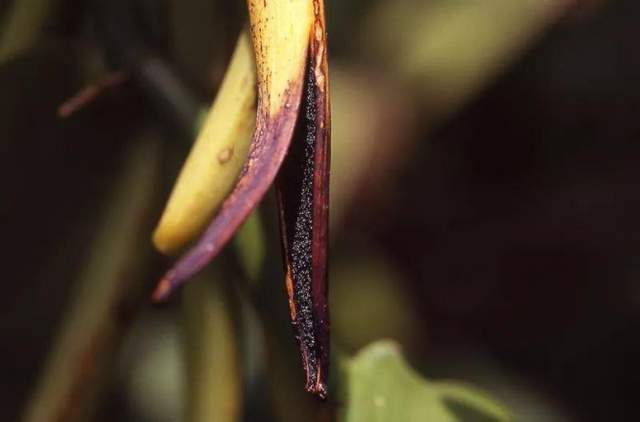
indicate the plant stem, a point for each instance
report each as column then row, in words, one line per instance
column 108, row 292
column 214, row 381
column 24, row 23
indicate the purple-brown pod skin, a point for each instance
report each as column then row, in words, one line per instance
column 269, row 146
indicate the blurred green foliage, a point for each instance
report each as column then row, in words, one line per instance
column 381, row 387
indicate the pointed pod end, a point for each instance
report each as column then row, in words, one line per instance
column 162, row 291
column 319, row 387
column 319, row 390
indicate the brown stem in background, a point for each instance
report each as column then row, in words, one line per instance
column 91, row 92
column 119, row 34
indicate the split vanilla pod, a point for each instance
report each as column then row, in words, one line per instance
column 290, row 142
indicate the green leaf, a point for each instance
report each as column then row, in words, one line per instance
column 380, row 387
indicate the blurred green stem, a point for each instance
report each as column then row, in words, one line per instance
column 107, row 294
column 447, row 51
column 214, row 379
column 24, row 23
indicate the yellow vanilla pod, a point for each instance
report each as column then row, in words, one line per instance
column 211, row 170
column 283, row 38
column 289, row 41
column 281, row 31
